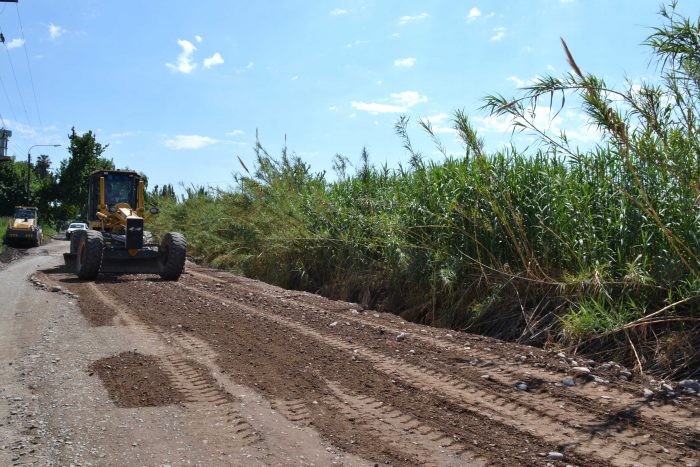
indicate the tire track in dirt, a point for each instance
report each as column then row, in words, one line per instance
column 616, row 412
column 617, row 401
column 201, row 394
column 210, row 405
column 563, row 428
column 207, row 402
column 395, row 427
column 192, row 367
column 491, row 443
column 625, row 447
column 294, row 410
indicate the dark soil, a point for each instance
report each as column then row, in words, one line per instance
column 135, row 380
column 388, row 390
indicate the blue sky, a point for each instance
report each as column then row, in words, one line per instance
column 178, row 88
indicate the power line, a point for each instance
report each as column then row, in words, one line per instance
column 19, row 91
column 7, row 96
column 31, row 77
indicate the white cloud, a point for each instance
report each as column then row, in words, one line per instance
column 215, row 59
column 444, row 129
column 295, row 77
column 494, row 124
column 22, row 129
column 575, row 124
column 411, row 19
column 356, row 42
column 409, row 98
column 379, row 82
column 56, row 31
column 401, row 103
column 405, row 62
column 184, row 60
column 437, row 118
column 249, row 66
column 198, row 38
column 122, row 134
column 14, row 43
column 517, row 81
column 180, row 142
column 434, row 121
column 474, row 13
column 235, row 133
column 498, row 34
column 377, row 108
column 339, row 12
column 396, row 34
column 118, row 138
column 333, row 108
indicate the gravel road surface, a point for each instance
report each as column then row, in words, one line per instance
column 216, row 369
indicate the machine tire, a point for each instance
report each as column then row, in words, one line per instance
column 172, row 253
column 89, row 255
column 74, row 238
column 36, row 241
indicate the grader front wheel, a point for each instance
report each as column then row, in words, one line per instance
column 89, row 255
column 172, row 253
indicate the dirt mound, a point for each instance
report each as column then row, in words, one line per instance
column 136, row 380
column 9, row 254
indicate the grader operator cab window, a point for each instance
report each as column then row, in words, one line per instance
column 25, row 214
column 119, row 189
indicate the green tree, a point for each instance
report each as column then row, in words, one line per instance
column 85, row 157
column 12, row 185
column 42, row 167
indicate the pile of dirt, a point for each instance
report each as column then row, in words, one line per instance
column 136, row 380
column 9, row 254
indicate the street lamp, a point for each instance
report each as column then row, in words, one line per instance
column 29, row 163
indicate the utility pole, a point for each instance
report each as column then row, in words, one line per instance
column 4, row 136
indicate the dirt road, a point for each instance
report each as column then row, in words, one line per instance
column 216, row 369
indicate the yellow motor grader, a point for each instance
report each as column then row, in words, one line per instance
column 24, row 228
column 115, row 241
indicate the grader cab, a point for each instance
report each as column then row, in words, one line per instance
column 116, row 241
column 24, row 228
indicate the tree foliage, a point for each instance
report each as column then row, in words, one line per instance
column 60, row 195
column 85, row 157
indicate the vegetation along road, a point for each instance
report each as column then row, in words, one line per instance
column 216, row 369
